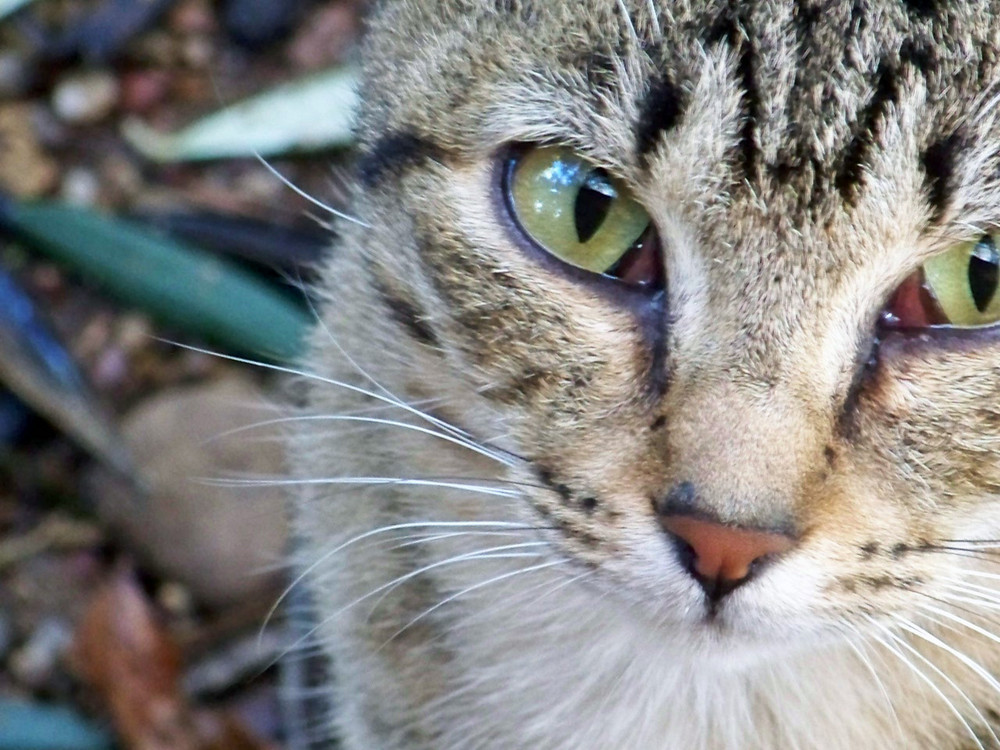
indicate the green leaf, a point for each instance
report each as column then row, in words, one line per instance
column 9, row 6
column 307, row 115
column 181, row 286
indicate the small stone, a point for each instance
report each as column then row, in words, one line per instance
column 219, row 542
column 325, row 38
column 134, row 332
column 80, row 187
column 15, row 75
column 192, row 17
column 197, row 51
column 143, row 90
column 26, row 169
column 34, row 663
column 175, row 599
column 85, row 98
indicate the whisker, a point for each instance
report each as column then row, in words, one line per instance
column 960, row 621
column 363, row 481
column 462, row 442
column 465, row 557
column 992, row 542
column 948, row 602
column 413, row 540
column 339, row 384
column 442, row 424
column 628, row 20
column 468, row 590
column 964, row 591
column 981, row 574
column 964, row 585
column 654, row 18
column 863, row 657
column 312, row 199
column 923, row 677
column 491, row 553
column 326, row 556
column 972, row 664
column 978, row 602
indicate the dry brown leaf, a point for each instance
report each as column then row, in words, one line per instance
column 135, row 666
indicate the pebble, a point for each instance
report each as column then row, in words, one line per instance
column 80, row 187
column 220, row 542
column 198, row 51
column 86, row 97
column 192, row 17
column 143, row 90
column 15, row 75
column 34, row 663
column 325, row 38
column 26, row 168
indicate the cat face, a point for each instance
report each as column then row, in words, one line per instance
column 798, row 163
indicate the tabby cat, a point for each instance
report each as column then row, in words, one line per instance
column 656, row 398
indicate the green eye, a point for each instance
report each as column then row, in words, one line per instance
column 960, row 288
column 582, row 215
column 965, row 281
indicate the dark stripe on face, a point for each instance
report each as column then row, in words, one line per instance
column 394, row 153
column 661, row 110
column 732, row 29
column 939, row 170
column 851, row 174
column 405, row 312
column 751, row 103
column 922, row 8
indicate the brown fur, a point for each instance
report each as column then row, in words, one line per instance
column 800, row 159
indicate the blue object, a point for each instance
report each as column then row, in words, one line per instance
column 32, row 726
column 20, row 322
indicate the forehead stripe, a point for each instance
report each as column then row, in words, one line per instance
column 661, row 110
column 393, row 154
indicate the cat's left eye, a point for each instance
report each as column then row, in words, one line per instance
column 959, row 288
column 582, row 215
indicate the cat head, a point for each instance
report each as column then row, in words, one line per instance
column 745, row 412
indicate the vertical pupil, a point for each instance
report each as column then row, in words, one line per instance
column 592, row 204
column 984, row 272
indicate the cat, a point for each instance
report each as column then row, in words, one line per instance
column 655, row 397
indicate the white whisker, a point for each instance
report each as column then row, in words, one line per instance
column 490, row 553
column 865, row 660
column 923, row 677
column 468, row 590
column 303, row 194
column 972, row 664
column 339, row 384
column 361, row 481
column 960, row 620
column 326, row 556
column 462, row 442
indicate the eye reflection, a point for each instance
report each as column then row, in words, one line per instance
column 582, row 215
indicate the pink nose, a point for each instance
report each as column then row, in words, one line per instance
column 722, row 557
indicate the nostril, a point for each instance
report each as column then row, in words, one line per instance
column 685, row 554
column 722, row 557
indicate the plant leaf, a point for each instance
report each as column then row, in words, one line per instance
column 9, row 6
column 182, row 286
column 310, row 114
column 36, row 366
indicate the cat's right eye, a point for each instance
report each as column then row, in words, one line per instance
column 582, row 215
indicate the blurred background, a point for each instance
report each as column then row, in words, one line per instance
column 162, row 169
